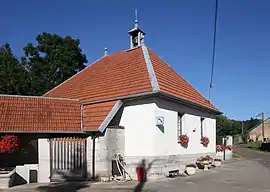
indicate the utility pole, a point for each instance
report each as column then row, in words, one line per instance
column 242, row 133
column 262, row 114
column 263, row 126
column 242, row 128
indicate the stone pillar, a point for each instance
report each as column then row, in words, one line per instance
column 229, row 142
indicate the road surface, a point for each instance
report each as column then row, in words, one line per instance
column 238, row 175
column 261, row 157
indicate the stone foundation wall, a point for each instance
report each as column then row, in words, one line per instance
column 159, row 166
column 106, row 147
column 113, row 142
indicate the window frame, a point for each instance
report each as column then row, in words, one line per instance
column 202, row 127
column 179, row 124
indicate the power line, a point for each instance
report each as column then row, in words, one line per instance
column 213, row 51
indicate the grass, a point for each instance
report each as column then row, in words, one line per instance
column 255, row 146
column 235, row 156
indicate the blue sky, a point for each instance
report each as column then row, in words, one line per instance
column 179, row 31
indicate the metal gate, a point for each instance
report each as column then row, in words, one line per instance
column 68, row 158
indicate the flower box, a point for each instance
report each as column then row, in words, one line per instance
column 191, row 169
column 183, row 140
column 219, row 148
column 217, row 162
column 205, row 141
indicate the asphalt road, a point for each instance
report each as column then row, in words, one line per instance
column 260, row 157
column 237, row 175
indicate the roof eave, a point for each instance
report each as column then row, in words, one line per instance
column 174, row 98
column 189, row 103
column 132, row 96
column 44, row 132
column 110, row 116
column 147, row 94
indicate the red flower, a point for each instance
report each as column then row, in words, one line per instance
column 223, row 147
column 205, row 141
column 8, row 143
column 219, row 148
column 229, row 147
column 183, row 140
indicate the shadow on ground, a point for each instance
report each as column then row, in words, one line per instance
column 141, row 184
column 73, row 186
column 64, row 187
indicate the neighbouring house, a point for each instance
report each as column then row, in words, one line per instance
column 130, row 103
column 256, row 133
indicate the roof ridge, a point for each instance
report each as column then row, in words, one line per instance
column 182, row 78
column 150, row 69
column 39, row 97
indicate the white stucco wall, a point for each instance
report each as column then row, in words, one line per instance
column 144, row 138
column 43, row 161
column 139, row 122
column 166, row 143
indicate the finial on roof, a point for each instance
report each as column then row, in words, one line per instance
column 136, row 19
column 136, row 34
column 106, row 51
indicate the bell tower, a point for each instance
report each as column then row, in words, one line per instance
column 136, row 34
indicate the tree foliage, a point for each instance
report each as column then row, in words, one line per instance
column 12, row 74
column 53, row 60
column 45, row 65
column 226, row 126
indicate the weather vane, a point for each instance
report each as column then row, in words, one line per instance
column 136, row 18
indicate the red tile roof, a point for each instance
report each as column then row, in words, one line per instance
column 120, row 74
column 37, row 114
column 124, row 74
column 100, row 85
column 95, row 114
column 172, row 83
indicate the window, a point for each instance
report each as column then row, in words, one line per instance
column 202, row 126
column 179, row 124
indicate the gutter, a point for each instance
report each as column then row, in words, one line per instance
column 44, row 132
column 132, row 96
column 158, row 93
column 189, row 103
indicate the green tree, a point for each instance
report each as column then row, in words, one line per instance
column 249, row 124
column 12, row 74
column 224, row 125
column 53, row 60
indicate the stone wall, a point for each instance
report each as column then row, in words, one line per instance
column 158, row 167
column 106, row 147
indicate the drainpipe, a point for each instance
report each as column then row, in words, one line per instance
column 94, row 157
column 224, row 152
